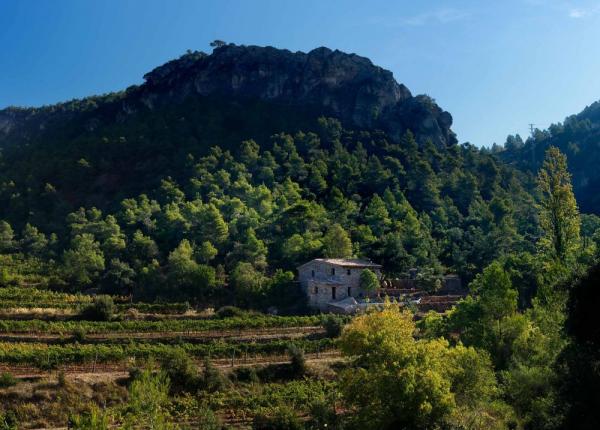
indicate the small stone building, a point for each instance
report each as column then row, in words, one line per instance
column 329, row 280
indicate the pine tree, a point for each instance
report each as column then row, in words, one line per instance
column 337, row 243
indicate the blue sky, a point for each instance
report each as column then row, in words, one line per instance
column 495, row 65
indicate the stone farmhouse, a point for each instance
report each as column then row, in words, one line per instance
column 329, row 280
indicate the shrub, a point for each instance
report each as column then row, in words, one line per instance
column 322, row 414
column 9, row 421
column 93, row 420
column 79, row 335
column 134, row 373
column 229, row 312
column 297, row 361
column 279, row 418
column 180, row 369
column 101, row 309
column 207, row 420
column 212, row 378
column 333, row 326
column 7, row 380
column 148, row 398
column 246, row 374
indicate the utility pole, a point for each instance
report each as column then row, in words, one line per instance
column 532, row 132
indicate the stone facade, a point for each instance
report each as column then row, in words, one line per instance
column 327, row 280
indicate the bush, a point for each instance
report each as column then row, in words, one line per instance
column 101, row 309
column 333, row 326
column 180, row 369
column 246, row 374
column 79, row 335
column 7, row 380
column 212, row 378
column 279, row 418
column 62, row 379
column 322, row 414
column 9, row 421
column 148, row 400
column 134, row 373
column 93, row 420
column 207, row 420
column 297, row 361
column 229, row 312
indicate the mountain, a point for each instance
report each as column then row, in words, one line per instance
column 99, row 150
column 579, row 138
column 321, row 82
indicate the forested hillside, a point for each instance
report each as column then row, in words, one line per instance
column 246, row 214
column 198, row 184
column 579, row 138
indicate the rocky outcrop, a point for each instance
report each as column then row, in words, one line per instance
column 346, row 86
column 323, row 81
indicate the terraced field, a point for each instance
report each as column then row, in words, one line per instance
column 63, row 353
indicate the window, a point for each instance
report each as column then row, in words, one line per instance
column 332, row 293
column 312, row 272
column 349, row 272
column 316, row 290
column 333, row 271
column 349, row 291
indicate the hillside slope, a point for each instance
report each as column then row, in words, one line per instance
column 579, row 138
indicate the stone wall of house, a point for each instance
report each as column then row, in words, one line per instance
column 319, row 278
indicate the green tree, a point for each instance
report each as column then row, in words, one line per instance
column 377, row 216
column 188, row 277
column 398, row 382
column 142, row 249
column 33, row 241
column 148, row 401
column 487, row 318
column 337, row 243
column 207, row 252
column 559, row 215
column 84, row 261
column 369, row 281
column 248, row 284
column 119, row 277
column 7, row 236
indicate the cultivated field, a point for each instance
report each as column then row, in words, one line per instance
column 56, row 363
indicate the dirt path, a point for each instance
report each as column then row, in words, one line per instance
column 235, row 334
column 110, row 371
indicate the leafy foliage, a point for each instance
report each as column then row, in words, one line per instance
column 236, row 219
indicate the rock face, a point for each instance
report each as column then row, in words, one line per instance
column 328, row 82
column 346, row 86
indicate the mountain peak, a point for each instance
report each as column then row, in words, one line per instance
column 322, row 82
column 332, row 82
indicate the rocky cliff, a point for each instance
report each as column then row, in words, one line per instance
column 323, row 81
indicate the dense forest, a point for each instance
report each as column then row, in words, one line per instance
column 234, row 216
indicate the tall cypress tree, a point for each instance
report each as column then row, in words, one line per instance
column 559, row 215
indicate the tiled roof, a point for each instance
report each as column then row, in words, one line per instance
column 346, row 262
